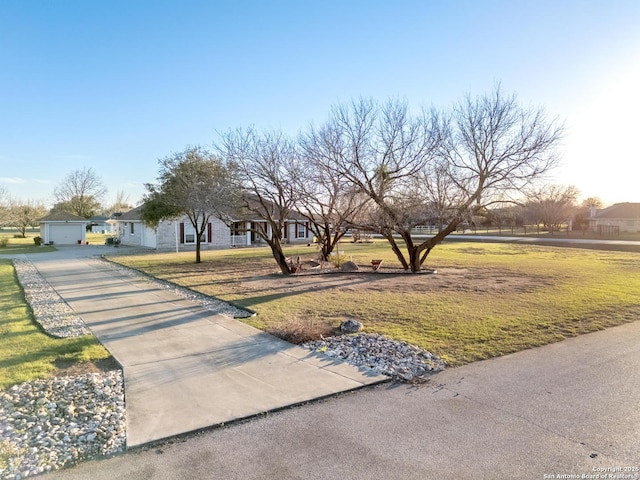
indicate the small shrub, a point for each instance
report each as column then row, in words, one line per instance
column 37, row 240
column 3, row 242
column 18, row 235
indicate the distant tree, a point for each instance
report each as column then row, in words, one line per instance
column 4, row 206
column 194, row 183
column 89, row 206
column 584, row 211
column 23, row 215
column 269, row 168
column 553, row 205
column 80, row 193
column 120, row 204
column 503, row 216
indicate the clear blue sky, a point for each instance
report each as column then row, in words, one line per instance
column 116, row 85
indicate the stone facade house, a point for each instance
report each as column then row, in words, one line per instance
column 618, row 218
column 179, row 234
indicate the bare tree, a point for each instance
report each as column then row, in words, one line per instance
column 120, row 204
column 446, row 167
column 587, row 208
column 4, row 206
column 328, row 201
column 379, row 149
column 80, row 193
column 553, row 205
column 269, row 167
column 23, row 215
column 194, row 183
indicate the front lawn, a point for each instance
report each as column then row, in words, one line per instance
column 26, row 352
column 486, row 299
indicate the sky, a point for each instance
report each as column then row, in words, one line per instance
column 117, row 85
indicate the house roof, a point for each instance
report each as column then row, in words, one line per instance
column 62, row 217
column 133, row 214
column 620, row 210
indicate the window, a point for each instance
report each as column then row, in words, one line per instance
column 132, row 228
column 238, row 228
column 301, row 230
column 188, row 234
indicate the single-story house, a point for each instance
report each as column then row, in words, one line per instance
column 99, row 224
column 620, row 217
column 179, row 234
column 63, row 228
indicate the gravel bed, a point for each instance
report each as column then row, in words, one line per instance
column 52, row 423
column 49, row 310
column 399, row 360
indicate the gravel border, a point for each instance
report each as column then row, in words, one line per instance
column 49, row 309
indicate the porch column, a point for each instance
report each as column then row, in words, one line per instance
column 248, row 233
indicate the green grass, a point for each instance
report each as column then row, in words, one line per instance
column 26, row 352
column 16, row 245
column 573, row 291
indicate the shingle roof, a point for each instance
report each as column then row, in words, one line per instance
column 133, row 214
column 62, row 217
column 620, row 210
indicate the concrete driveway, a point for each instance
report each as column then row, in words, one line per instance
column 571, row 408
column 187, row 367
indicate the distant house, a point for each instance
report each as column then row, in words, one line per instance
column 99, row 224
column 63, row 228
column 179, row 234
column 620, row 217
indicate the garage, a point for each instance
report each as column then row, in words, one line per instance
column 63, row 228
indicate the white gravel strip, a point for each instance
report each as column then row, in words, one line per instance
column 48, row 424
column 49, row 309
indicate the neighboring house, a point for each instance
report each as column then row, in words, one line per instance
column 99, row 224
column 63, row 228
column 620, row 217
column 180, row 235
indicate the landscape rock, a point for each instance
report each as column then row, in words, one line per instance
column 399, row 360
column 350, row 326
column 349, row 267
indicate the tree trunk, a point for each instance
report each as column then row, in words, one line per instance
column 396, row 249
column 278, row 254
column 198, row 259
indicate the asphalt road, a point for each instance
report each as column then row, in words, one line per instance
column 570, row 408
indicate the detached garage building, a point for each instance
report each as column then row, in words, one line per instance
column 62, row 228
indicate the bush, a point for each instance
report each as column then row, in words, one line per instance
column 18, row 235
column 37, row 240
column 3, row 242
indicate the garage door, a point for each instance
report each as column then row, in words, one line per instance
column 67, row 234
